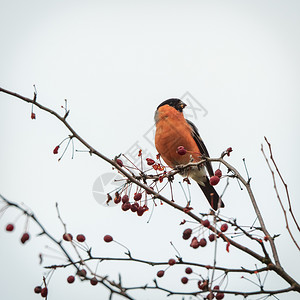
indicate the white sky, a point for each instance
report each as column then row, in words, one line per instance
column 115, row 61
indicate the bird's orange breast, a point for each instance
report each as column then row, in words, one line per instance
column 173, row 131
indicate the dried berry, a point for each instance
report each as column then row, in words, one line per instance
column 212, row 237
column 44, row 292
column 150, row 161
column 55, row 151
column 194, row 243
column 126, row 206
column 172, row 261
column 188, row 270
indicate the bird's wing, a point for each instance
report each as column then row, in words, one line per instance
column 201, row 146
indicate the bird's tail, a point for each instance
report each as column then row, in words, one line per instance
column 211, row 195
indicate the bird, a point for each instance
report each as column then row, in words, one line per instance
column 174, row 130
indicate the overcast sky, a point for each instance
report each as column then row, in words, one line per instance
column 115, row 62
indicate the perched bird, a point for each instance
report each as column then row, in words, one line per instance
column 173, row 131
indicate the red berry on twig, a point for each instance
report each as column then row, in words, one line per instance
column 224, row 227
column 181, row 150
column 37, row 289
column 119, row 162
column 81, row 273
column 188, row 270
column 202, row 242
column 220, row 296
column 44, row 292
column 150, row 161
column 172, row 261
column 126, row 206
column 137, row 196
column 108, row 238
column 71, row 279
column 55, row 151
column 160, row 273
column 10, row 227
column 206, row 223
column 218, row 173
column 214, row 180
column 80, row 238
column 125, row 198
column 25, row 237
column 194, row 243
column 212, row 237
column 184, row 280
column 134, row 207
column 68, row 237
column 187, row 233
column 94, row 281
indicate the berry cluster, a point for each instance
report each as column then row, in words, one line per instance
column 203, row 284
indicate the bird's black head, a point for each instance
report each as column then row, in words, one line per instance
column 176, row 103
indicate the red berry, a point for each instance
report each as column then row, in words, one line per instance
column 216, row 287
column 134, row 207
column 55, row 150
column 137, row 196
column 71, row 279
column 37, row 289
column 94, row 281
column 188, row 270
column 181, row 150
column 160, row 273
column 81, row 273
column 125, row 198
column 187, row 233
column 140, row 211
column 44, row 292
column 119, row 162
column 212, row 237
column 32, row 115
column 218, row 173
column 194, row 243
column 184, row 280
column 224, row 227
column 210, row 296
column 68, row 237
column 80, row 238
column 214, row 180
column 228, row 151
column 202, row 285
column 266, row 238
column 108, row 238
column 150, row 161
column 202, row 242
column 172, row 261
column 126, row 206
column 117, row 199
column 10, row 227
column 205, row 223
column 220, row 296
column 25, row 237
